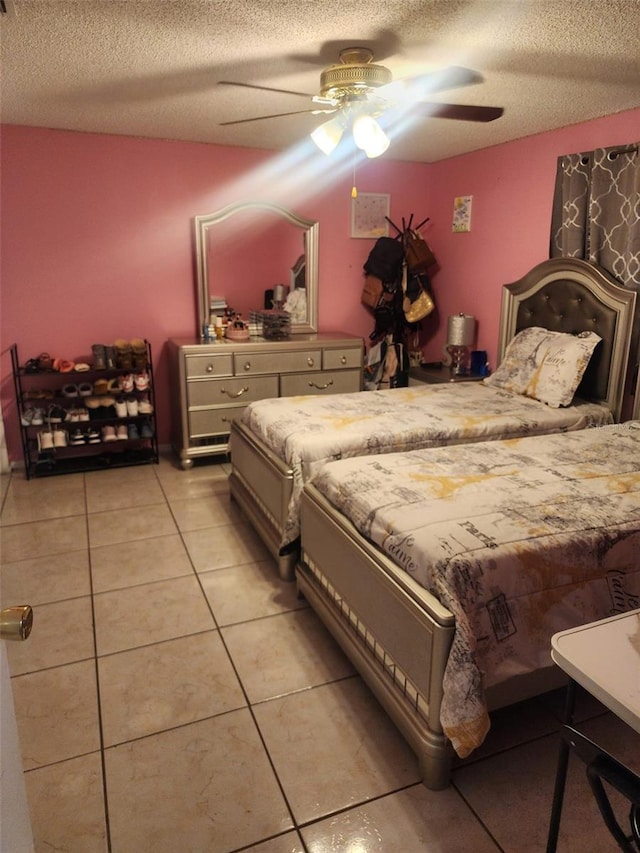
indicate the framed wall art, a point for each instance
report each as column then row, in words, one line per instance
column 368, row 211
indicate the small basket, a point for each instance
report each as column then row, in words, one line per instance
column 275, row 325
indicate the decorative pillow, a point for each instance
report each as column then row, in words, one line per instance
column 547, row 366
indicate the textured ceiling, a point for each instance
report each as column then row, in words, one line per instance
column 150, row 68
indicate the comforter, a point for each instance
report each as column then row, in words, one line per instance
column 518, row 539
column 306, row 432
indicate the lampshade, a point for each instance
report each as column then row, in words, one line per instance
column 327, row 135
column 369, row 136
column 461, row 330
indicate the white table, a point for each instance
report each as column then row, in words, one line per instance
column 604, row 658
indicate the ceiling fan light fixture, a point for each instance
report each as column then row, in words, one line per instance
column 326, row 136
column 369, row 136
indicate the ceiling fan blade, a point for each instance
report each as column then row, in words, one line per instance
column 459, row 112
column 453, row 77
column 276, row 115
column 262, row 88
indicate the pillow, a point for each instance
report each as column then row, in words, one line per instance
column 547, row 366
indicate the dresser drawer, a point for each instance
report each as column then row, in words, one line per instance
column 207, row 422
column 227, row 391
column 335, row 359
column 327, row 382
column 248, row 364
column 209, row 365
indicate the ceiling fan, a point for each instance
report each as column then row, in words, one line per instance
column 358, row 91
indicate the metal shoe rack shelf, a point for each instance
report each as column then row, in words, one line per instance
column 72, row 458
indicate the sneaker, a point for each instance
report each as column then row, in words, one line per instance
column 93, row 436
column 85, row 389
column 127, row 383
column 132, row 407
column 141, row 381
column 83, row 414
column 121, row 408
column 146, row 431
column 122, row 433
column 108, row 433
column 37, row 418
column 70, row 390
column 132, row 432
column 26, row 417
column 59, row 438
column 144, row 406
column 77, row 437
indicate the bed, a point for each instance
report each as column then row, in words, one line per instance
column 443, row 573
column 280, row 444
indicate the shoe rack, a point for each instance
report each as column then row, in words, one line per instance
column 103, row 416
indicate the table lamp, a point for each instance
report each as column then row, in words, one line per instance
column 461, row 331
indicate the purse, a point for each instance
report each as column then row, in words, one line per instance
column 418, row 255
column 422, row 305
column 372, row 292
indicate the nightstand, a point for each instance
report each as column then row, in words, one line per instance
column 434, row 375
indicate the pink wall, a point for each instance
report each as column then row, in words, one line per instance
column 97, row 238
column 512, row 187
column 97, row 233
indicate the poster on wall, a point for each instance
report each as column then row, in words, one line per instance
column 462, row 213
column 368, row 211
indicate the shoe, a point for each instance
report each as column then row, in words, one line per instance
column 122, row 433
column 99, row 357
column 141, row 381
column 113, row 386
column 56, row 415
column 63, row 365
column 93, row 436
column 83, row 414
column 146, row 431
column 100, row 387
column 139, row 349
column 59, row 438
column 37, row 418
column 82, row 366
column 85, row 389
column 132, row 432
column 93, row 406
column 127, row 383
column 132, row 407
column 44, row 362
column 108, row 433
column 144, row 406
column 111, row 357
column 121, row 408
column 70, row 390
column 77, row 437
column 26, row 417
column 72, row 416
column 124, row 354
column 45, row 440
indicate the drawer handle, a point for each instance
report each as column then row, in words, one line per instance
column 247, row 365
column 310, row 361
column 343, row 359
column 321, row 387
column 209, row 368
column 239, row 394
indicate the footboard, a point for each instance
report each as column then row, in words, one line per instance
column 261, row 484
column 395, row 633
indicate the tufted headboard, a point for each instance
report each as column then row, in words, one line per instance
column 571, row 295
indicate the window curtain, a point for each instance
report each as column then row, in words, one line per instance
column 596, row 216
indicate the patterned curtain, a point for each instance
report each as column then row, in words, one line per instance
column 596, row 216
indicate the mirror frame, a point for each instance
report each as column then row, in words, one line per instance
column 205, row 221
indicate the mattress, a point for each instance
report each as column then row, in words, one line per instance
column 306, row 432
column 517, row 540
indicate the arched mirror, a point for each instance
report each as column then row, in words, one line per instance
column 258, row 255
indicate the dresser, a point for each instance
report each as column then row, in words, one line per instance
column 213, row 382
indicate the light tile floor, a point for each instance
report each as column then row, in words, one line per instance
column 175, row 695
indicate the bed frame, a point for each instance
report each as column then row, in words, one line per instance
column 562, row 294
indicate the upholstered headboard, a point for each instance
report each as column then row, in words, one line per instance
column 571, row 295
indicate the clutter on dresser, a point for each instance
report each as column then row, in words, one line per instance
column 96, row 411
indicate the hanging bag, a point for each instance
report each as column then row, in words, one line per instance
column 421, row 305
column 418, row 255
column 372, row 291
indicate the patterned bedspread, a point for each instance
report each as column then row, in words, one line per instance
column 306, row 432
column 519, row 540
